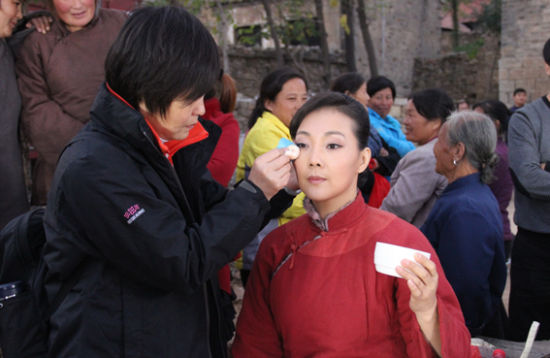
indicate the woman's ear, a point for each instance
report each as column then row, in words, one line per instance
column 364, row 159
column 459, row 151
column 268, row 104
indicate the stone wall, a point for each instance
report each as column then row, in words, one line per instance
column 471, row 74
column 525, row 29
column 402, row 30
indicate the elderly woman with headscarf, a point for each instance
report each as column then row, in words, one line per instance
column 59, row 73
column 464, row 225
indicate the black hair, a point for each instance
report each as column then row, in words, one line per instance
column 379, row 83
column 433, row 104
column 271, row 85
column 341, row 103
column 519, row 90
column 496, row 110
column 546, row 52
column 162, row 53
column 348, row 82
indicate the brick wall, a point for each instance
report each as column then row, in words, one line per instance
column 525, row 29
column 471, row 76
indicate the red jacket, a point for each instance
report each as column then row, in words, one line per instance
column 313, row 292
column 223, row 162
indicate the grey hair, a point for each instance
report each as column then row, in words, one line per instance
column 479, row 136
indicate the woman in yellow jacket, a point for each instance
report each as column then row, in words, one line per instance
column 282, row 93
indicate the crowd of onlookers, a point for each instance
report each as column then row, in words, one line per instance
column 137, row 196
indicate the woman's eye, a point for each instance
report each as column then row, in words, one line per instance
column 300, row 145
column 333, row 146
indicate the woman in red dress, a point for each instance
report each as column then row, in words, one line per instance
column 314, row 289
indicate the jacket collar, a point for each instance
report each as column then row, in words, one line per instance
column 170, row 148
column 341, row 219
column 121, row 119
column 466, row 181
column 113, row 114
column 373, row 113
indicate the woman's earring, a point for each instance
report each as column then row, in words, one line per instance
column 455, row 163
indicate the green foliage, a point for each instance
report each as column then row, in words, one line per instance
column 490, row 18
column 250, row 35
column 303, row 31
column 472, row 48
column 298, row 26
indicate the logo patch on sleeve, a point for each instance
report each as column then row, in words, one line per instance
column 133, row 212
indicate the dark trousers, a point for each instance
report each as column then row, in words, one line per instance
column 530, row 285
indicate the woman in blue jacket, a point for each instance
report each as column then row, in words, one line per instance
column 464, row 225
column 382, row 94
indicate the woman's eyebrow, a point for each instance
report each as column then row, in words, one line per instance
column 334, row 133
column 303, row 133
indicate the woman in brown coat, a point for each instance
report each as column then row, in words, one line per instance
column 59, row 74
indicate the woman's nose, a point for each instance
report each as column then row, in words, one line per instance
column 315, row 159
column 200, row 109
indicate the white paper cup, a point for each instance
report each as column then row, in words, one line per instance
column 388, row 256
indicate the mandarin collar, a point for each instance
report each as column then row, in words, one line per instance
column 465, row 181
column 338, row 220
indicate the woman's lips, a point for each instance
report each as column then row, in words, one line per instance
column 315, row 179
column 79, row 14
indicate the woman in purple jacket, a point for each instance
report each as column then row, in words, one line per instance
column 502, row 185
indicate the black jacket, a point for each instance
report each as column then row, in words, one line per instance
column 149, row 239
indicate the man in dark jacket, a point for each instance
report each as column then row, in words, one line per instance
column 134, row 212
column 529, row 156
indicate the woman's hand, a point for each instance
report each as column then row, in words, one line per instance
column 41, row 23
column 271, row 172
column 422, row 279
